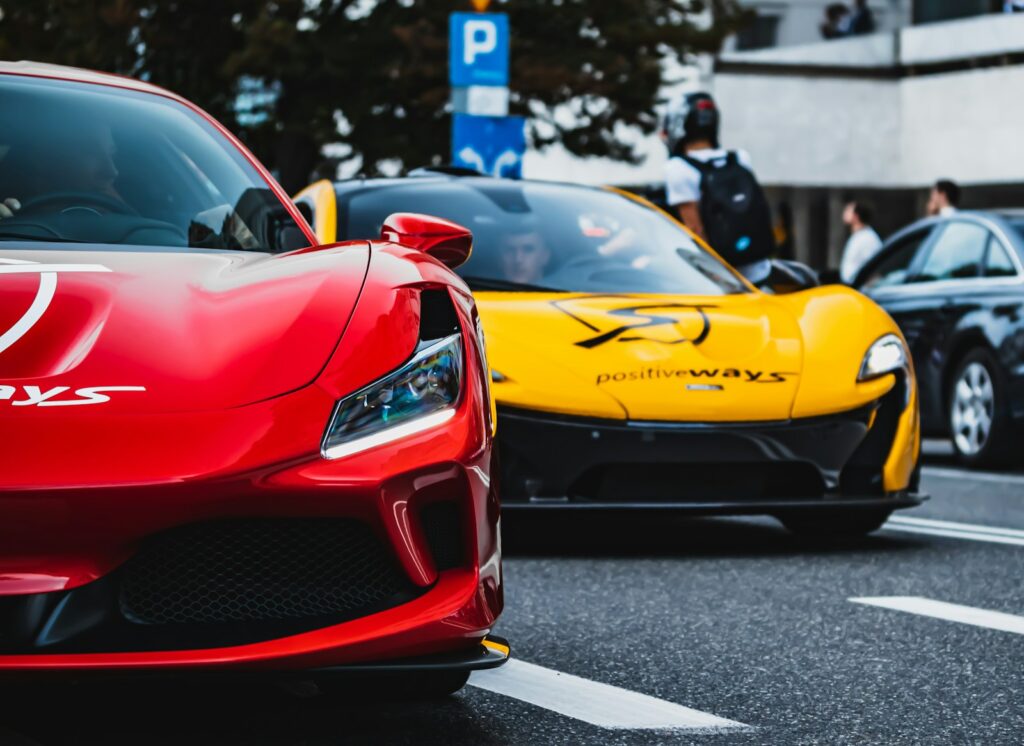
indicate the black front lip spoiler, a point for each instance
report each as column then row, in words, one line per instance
column 761, row 507
column 556, row 451
column 492, row 652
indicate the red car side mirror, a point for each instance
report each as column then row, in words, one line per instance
column 448, row 242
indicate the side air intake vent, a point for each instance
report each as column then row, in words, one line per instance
column 442, row 524
column 437, row 316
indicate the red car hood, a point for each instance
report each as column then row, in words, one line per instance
column 179, row 331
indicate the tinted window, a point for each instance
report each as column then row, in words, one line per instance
column 95, row 164
column 998, row 262
column 956, row 254
column 1018, row 227
column 549, row 236
column 894, row 264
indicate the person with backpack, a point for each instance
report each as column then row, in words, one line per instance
column 714, row 191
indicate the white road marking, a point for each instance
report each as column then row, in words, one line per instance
column 951, row 612
column 972, row 476
column 952, row 530
column 975, row 528
column 936, row 447
column 599, row 704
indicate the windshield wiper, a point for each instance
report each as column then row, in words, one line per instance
column 494, row 283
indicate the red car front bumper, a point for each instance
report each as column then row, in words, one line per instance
column 69, row 557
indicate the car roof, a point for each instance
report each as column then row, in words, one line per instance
column 26, row 68
column 1008, row 213
column 995, row 220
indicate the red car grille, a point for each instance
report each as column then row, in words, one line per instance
column 260, row 570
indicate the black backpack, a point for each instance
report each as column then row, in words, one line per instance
column 737, row 219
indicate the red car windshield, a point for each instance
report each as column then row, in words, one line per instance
column 85, row 163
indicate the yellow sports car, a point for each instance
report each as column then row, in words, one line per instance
column 633, row 368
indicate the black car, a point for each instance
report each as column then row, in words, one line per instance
column 955, row 286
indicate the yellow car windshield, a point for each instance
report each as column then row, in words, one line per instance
column 536, row 236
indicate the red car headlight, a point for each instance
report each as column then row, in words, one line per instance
column 421, row 394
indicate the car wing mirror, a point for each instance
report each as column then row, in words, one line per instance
column 781, row 276
column 448, row 242
column 832, row 277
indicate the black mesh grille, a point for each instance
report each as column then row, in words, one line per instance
column 260, row 570
column 669, row 482
column 443, row 528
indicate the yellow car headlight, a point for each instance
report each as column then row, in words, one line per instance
column 886, row 355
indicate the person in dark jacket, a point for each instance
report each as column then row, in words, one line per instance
column 833, row 27
column 861, row 20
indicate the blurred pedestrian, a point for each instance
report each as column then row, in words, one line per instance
column 834, row 25
column 944, row 198
column 860, row 20
column 713, row 190
column 863, row 243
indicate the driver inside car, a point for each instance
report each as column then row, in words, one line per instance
column 77, row 160
column 524, row 257
column 73, row 169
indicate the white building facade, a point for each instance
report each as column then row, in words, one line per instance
column 880, row 118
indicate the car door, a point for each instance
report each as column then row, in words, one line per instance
column 886, row 277
column 1003, row 317
column 891, row 267
column 944, row 283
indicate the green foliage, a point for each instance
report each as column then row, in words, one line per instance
column 378, row 68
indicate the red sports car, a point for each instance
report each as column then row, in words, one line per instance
column 222, row 446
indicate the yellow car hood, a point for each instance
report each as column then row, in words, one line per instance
column 644, row 357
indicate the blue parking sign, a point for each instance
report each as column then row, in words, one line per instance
column 478, row 45
column 491, row 145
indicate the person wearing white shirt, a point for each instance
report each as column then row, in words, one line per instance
column 863, row 243
column 944, row 198
column 704, row 181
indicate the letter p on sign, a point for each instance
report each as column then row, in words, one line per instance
column 479, row 49
column 479, row 37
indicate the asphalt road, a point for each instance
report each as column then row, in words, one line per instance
column 656, row 629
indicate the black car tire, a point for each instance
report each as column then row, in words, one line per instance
column 996, row 448
column 417, row 685
column 836, row 524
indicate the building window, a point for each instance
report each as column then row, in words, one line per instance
column 927, row 11
column 760, row 33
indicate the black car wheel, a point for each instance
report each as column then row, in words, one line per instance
column 835, row 524
column 979, row 423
